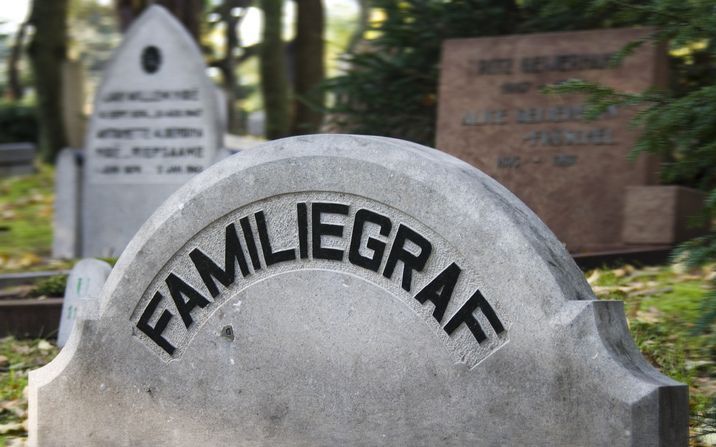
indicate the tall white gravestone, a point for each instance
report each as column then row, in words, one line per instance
column 358, row 291
column 155, row 124
column 84, row 285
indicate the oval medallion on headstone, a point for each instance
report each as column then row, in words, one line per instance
column 339, row 290
column 151, row 59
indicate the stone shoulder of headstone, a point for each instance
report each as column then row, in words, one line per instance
column 82, row 294
column 346, row 290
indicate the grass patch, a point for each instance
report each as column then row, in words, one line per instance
column 26, row 209
column 26, row 218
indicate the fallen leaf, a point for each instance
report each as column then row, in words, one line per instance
column 29, row 259
column 10, row 427
column 16, row 407
column 652, row 291
column 594, row 277
column 37, row 198
column 16, row 442
column 650, row 316
column 22, row 349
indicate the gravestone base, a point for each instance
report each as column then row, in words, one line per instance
column 661, row 214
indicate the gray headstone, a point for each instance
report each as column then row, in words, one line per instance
column 377, row 292
column 155, row 124
column 256, row 123
column 222, row 104
column 65, row 223
column 17, row 159
column 82, row 295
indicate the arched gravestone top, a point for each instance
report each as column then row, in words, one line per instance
column 314, row 333
column 155, row 124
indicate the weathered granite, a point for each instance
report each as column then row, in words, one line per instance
column 66, row 217
column 313, row 333
column 82, row 294
column 155, row 124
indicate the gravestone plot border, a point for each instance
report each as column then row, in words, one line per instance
column 345, row 319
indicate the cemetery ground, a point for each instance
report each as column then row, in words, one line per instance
column 662, row 304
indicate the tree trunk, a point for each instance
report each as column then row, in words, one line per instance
column 274, row 85
column 361, row 27
column 15, row 90
column 309, row 67
column 187, row 12
column 47, row 54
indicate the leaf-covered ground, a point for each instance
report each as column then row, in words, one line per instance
column 17, row 358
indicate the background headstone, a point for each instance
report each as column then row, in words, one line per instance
column 304, row 294
column 155, row 124
column 82, row 294
column 573, row 173
column 17, row 159
column 222, row 104
column 66, row 216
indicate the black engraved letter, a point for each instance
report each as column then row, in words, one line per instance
column 210, row 271
column 319, row 229
column 464, row 315
column 270, row 256
column 302, row 215
column 440, row 289
column 410, row 261
column 155, row 333
column 179, row 289
column 378, row 247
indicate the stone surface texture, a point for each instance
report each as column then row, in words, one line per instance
column 155, row 124
column 66, row 217
column 570, row 171
column 662, row 214
column 82, row 293
column 322, row 352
